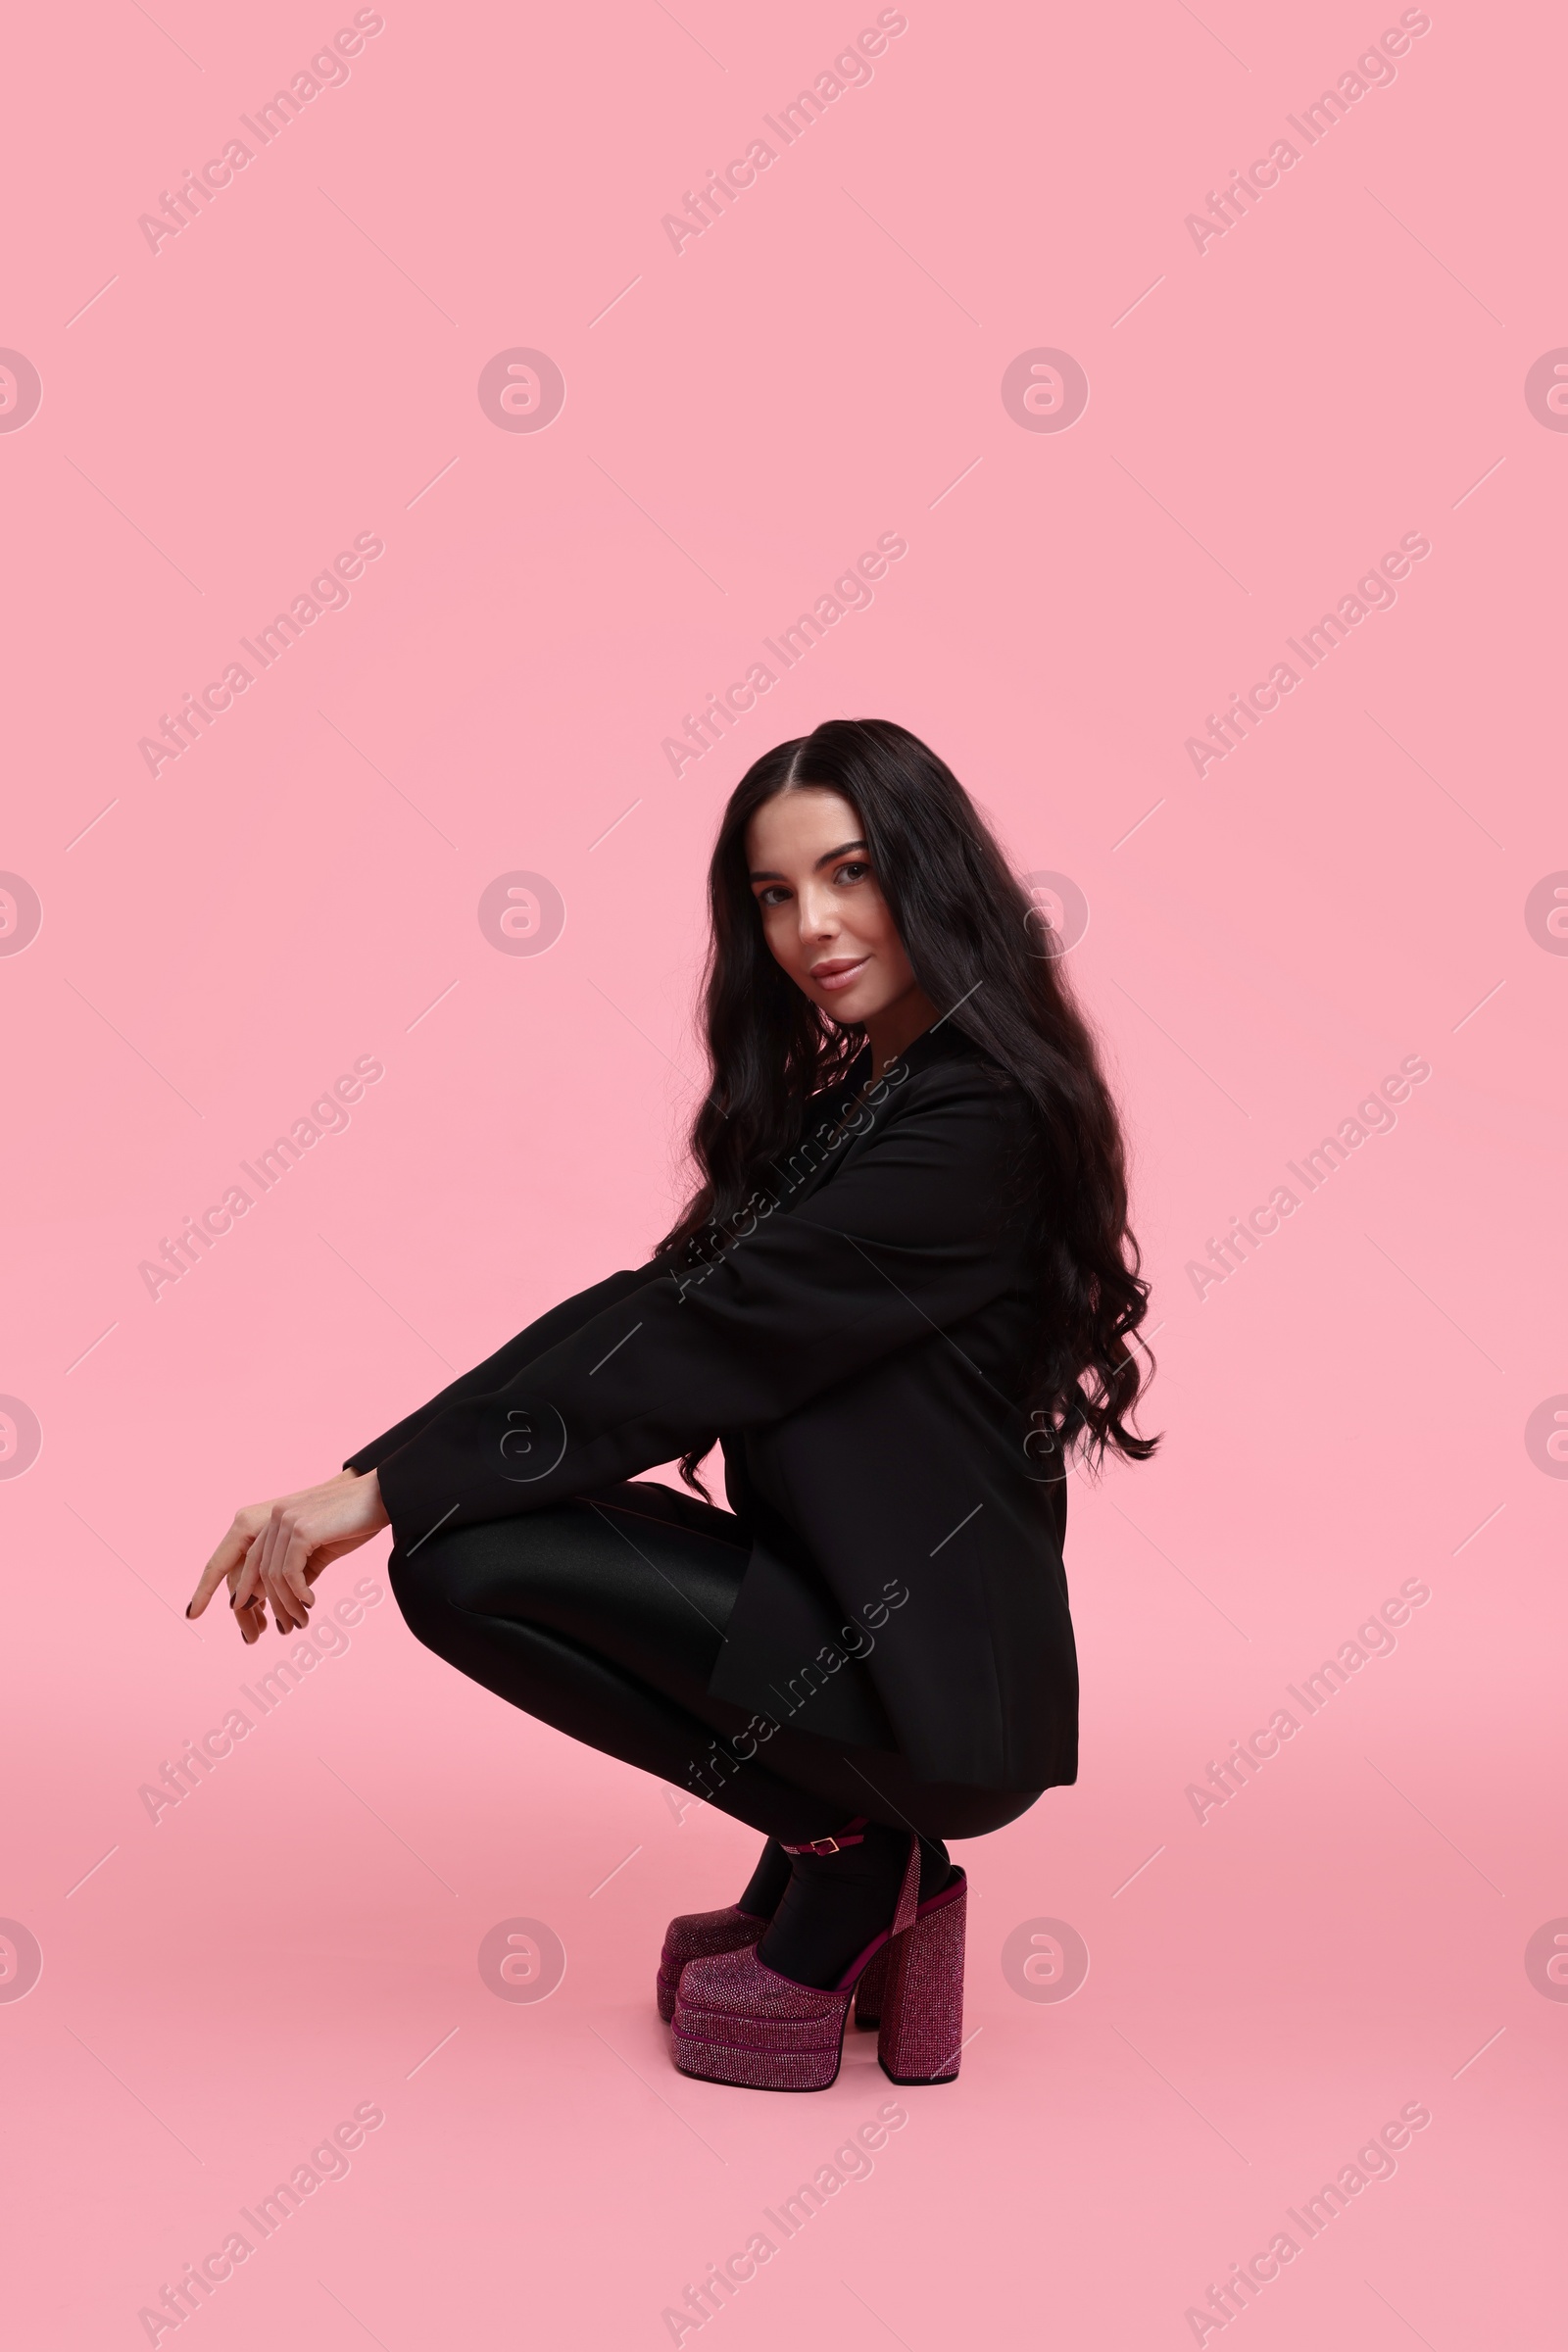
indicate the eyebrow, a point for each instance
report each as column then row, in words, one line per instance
column 826, row 858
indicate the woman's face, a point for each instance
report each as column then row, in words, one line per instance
column 823, row 915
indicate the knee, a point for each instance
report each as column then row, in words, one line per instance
column 486, row 1569
column 425, row 1585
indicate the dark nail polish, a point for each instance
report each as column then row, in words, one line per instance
column 187, row 1608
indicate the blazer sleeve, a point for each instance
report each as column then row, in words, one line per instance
column 886, row 1253
column 494, row 1373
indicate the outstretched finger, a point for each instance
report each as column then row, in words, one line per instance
column 229, row 1557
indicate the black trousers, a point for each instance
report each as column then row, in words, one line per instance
column 603, row 1617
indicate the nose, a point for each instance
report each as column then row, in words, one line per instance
column 818, row 918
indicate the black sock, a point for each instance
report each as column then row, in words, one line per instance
column 767, row 1883
column 835, row 1904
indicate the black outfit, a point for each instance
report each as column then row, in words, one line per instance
column 606, row 1616
column 879, row 1626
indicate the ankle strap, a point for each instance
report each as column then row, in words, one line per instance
column 831, row 1845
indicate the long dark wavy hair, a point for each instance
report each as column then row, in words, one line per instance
column 976, row 942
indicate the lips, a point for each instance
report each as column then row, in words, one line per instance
column 839, row 972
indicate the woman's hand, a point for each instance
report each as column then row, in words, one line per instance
column 274, row 1551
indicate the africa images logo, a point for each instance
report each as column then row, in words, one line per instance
column 20, row 391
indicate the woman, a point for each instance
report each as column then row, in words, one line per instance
column 900, row 1299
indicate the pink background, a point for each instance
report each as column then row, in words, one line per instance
column 301, row 886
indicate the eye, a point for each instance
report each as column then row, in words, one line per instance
column 772, row 894
column 854, row 869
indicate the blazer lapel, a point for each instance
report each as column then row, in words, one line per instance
column 816, row 1156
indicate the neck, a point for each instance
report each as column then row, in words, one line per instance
column 897, row 1026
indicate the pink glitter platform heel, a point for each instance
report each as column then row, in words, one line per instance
column 698, row 1935
column 738, row 2020
column 871, row 1991
column 921, row 2037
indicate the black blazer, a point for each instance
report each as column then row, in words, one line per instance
column 860, row 1345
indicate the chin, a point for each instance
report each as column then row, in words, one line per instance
column 848, row 1010
column 849, row 1014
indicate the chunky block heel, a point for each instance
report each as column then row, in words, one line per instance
column 922, row 2033
column 696, row 1936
